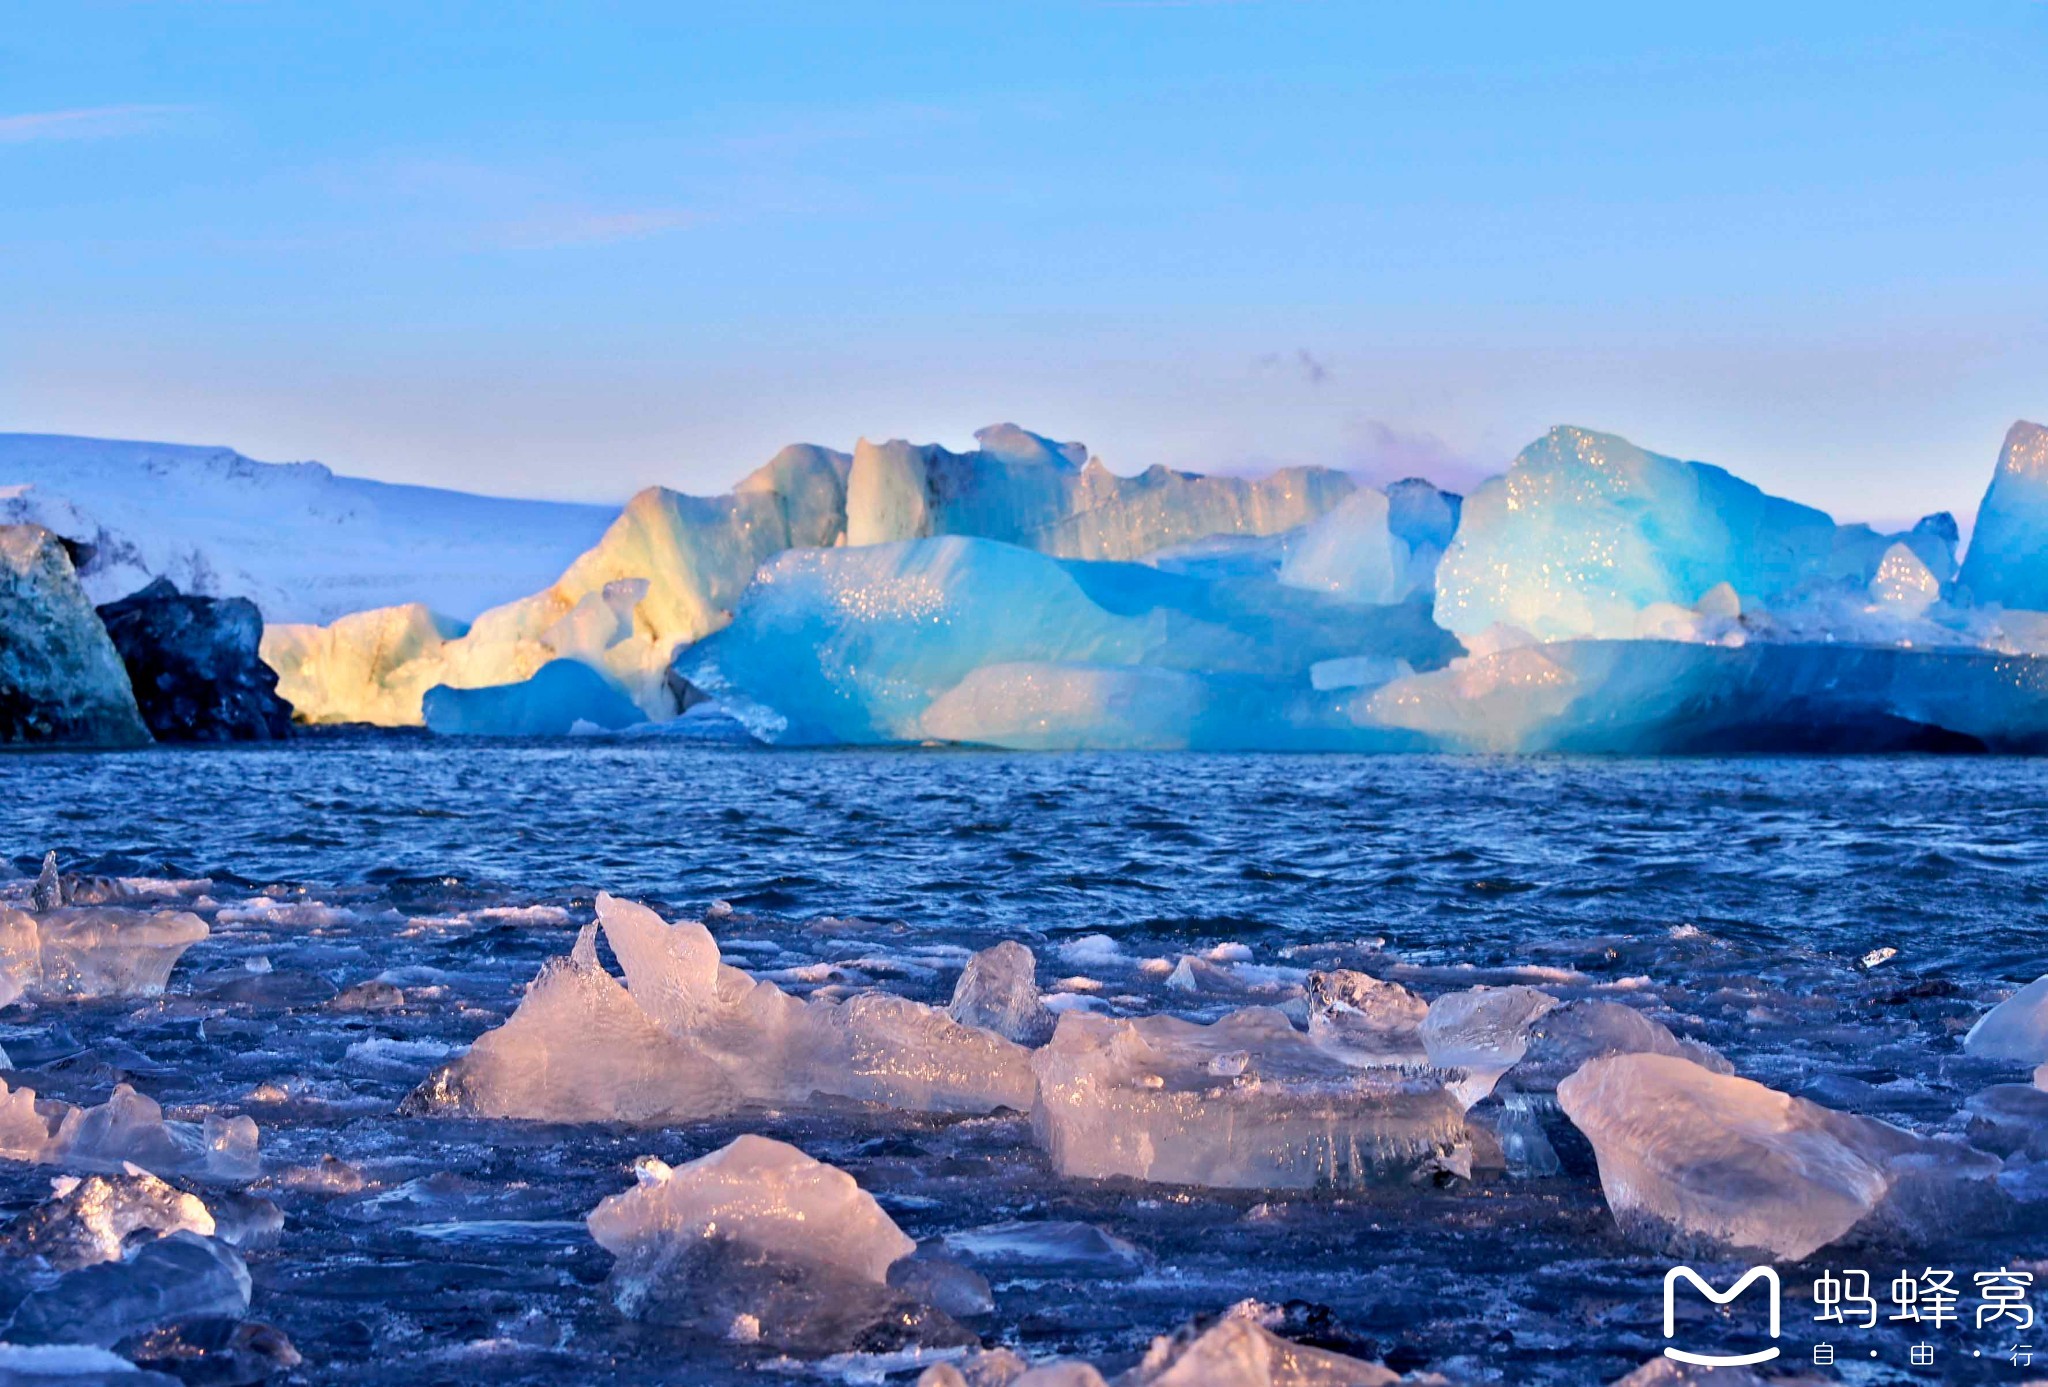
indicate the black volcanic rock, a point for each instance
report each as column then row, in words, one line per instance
column 194, row 666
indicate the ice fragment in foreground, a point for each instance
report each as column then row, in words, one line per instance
column 758, row 1242
column 91, row 1220
column 1247, row 1102
column 2016, row 1029
column 129, row 1128
column 1709, row 1160
column 92, row 951
column 181, row 1276
column 1365, row 1021
column 1238, row 1351
column 998, row 991
column 1482, row 1031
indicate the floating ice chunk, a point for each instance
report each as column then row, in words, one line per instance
column 759, row 1242
column 54, row 1365
column 1238, row 1351
column 1562, row 1038
column 127, row 1128
column 48, row 892
column 578, row 1049
column 1247, row 1102
column 998, row 991
column 130, row 1128
column 92, row 1219
column 689, row 1036
column 1047, row 1247
column 176, row 1277
column 907, row 1055
column 215, row 1350
column 1666, row 1372
column 978, row 1368
column 92, row 951
column 1705, row 1159
column 549, row 703
column 1365, row 1021
column 2016, row 1029
column 1482, row 1031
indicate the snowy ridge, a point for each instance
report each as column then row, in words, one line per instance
column 303, row 543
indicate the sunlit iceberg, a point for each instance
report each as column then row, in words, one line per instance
column 2008, row 558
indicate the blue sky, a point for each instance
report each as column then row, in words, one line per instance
column 573, row 250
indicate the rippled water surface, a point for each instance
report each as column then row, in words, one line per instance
column 1731, row 897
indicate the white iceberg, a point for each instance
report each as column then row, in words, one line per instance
column 1246, row 1102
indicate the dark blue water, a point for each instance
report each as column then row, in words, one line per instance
column 1479, row 858
column 1734, row 898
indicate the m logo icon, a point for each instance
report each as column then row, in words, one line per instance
column 1767, row 1275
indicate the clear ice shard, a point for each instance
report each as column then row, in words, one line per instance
column 180, row 1276
column 128, row 1129
column 92, row 1219
column 1481, row 1031
column 689, row 1036
column 1364, row 1020
column 79, row 951
column 1246, row 1102
column 1694, row 1159
column 1238, row 1351
column 2016, row 1029
column 758, row 1242
column 578, row 1049
column 998, row 991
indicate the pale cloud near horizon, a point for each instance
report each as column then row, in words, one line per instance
column 86, row 123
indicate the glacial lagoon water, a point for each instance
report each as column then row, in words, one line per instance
column 1737, row 899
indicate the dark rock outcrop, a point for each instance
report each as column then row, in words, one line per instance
column 61, row 680
column 194, row 666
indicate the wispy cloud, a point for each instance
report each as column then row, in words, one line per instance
column 1300, row 362
column 86, row 123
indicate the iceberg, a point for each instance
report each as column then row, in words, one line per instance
column 2007, row 562
column 1654, row 697
column 61, row 680
column 1586, row 533
column 1246, row 1102
column 690, row 1036
column 759, row 1243
column 671, row 568
column 551, row 703
column 971, row 640
column 1692, row 1158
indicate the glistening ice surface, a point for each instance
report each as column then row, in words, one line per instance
column 1733, row 899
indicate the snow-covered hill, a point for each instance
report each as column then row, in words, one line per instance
column 303, row 543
